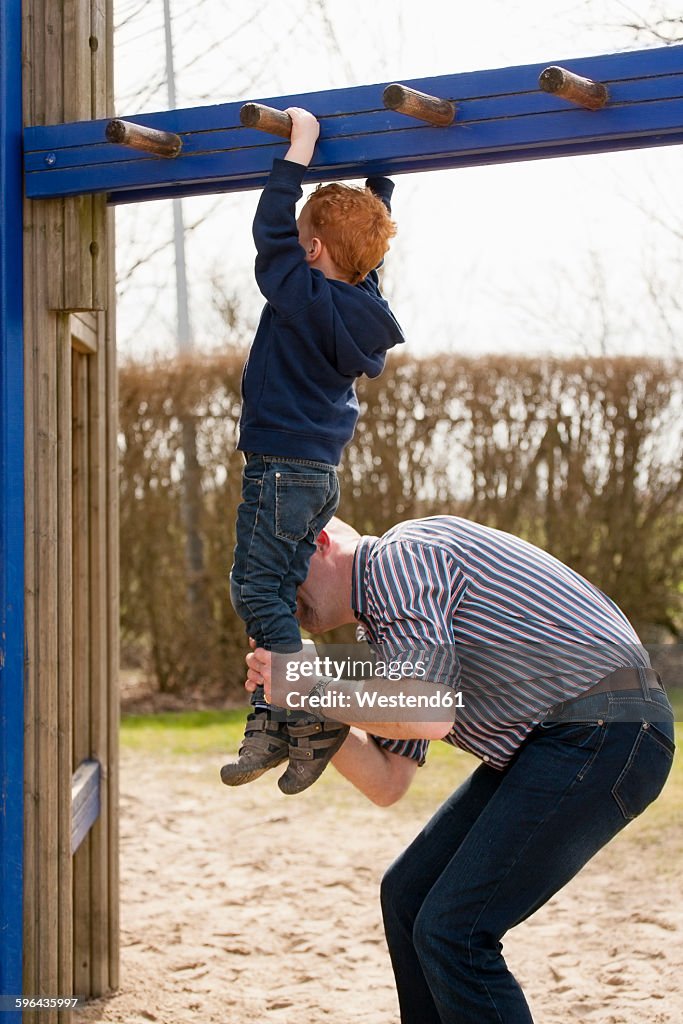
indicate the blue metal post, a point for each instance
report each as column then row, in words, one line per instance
column 11, row 508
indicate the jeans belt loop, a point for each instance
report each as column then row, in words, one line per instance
column 644, row 685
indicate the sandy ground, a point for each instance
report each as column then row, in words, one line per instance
column 248, row 905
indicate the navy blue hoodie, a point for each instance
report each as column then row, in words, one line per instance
column 315, row 337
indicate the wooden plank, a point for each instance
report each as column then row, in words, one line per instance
column 85, row 801
column 98, row 677
column 82, row 641
column 78, row 264
column 76, row 57
column 108, row 336
column 37, row 328
column 58, row 238
column 103, row 16
column 46, row 72
column 47, row 265
column 100, row 265
column 101, row 63
column 500, row 115
column 65, row 650
column 102, row 105
column 47, row 660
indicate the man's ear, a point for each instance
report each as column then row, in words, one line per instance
column 323, row 542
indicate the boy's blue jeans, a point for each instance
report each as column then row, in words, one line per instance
column 505, row 842
column 285, row 505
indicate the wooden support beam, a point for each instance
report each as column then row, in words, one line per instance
column 266, row 119
column 582, row 91
column 502, row 116
column 419, row 104
column 148, row 140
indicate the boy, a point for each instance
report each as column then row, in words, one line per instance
column 324, row 324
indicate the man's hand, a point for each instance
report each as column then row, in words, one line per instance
column 305, row 131
column 286, row 678
column 258, row 670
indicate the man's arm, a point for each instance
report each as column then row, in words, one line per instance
column 381, row 776
column 362, row 704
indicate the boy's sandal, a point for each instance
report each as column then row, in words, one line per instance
column 312, row 744
column 265, row 746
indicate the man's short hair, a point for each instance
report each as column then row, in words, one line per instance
column 354, row 224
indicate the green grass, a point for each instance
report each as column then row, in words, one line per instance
column 215, row 733
column 184, row 733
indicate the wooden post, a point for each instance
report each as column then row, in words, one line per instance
column 71, row 557
column 266, row 119
column 582, row 91
column 419, row 104
column 149, row 140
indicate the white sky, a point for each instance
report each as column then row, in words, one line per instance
column 504, row 258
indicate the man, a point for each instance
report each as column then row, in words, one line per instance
column 573, row 729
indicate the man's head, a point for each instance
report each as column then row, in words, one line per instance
column 324, row 598
column 351, row 224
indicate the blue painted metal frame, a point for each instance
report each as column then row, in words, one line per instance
column 502, row 116
column 11, row 509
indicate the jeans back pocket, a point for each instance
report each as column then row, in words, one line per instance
column 646, row 770
column 299, row 500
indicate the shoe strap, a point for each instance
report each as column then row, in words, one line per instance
column 262, row 723
column 313, row 748
column 307, row 729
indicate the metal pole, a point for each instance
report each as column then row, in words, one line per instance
column 191, row 493
column 11, row 514
column 183, row 322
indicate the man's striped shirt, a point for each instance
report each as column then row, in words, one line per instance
column 507, row 624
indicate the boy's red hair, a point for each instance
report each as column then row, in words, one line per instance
column 354, row 225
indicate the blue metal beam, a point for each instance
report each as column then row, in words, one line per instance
column 502, row 116
column 11, row 509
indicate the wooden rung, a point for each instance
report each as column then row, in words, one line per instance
column 125, row 133
column 419, row 104
column 582, row 91
column 266, row 119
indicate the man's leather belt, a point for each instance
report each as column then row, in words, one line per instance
column 623, row 679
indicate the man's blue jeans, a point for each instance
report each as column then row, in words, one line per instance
column 285, row 505
column 505, row 842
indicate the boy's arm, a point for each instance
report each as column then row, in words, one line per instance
column 305, row 132
column 282, row 274
column 383, row 188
